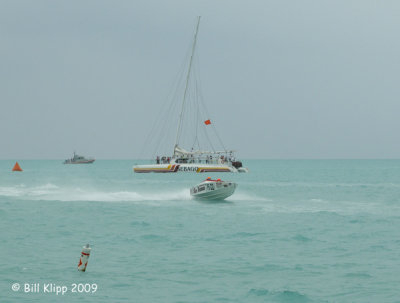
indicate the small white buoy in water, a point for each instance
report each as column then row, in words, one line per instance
column 83, row 261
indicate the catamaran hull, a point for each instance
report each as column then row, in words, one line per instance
column 184, row 167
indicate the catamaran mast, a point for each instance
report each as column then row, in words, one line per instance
column 178, row 132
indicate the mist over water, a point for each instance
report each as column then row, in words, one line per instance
column 294, row 231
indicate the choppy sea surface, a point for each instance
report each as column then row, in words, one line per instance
column 294, row 231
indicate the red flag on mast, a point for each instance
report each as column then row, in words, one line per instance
column 207, row 122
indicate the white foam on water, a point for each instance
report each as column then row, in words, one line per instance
column 51, row 192
column 121, row 196
column 24, row 191
column 244, row 196
column 6, row 191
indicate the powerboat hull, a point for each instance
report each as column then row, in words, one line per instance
column 213, row 190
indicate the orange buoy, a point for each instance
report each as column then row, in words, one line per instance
column 83, row 261
column 17, row 167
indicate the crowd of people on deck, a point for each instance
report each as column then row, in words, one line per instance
column 209, row 159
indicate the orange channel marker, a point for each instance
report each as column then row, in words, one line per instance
column 17, row 167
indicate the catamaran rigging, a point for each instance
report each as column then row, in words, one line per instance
column 194, row 160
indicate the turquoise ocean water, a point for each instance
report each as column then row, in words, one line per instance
column 294, row 231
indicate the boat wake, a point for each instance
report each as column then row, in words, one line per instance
column 245, row 196
column 51, row 192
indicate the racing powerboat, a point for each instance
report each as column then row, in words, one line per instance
column 211, row 189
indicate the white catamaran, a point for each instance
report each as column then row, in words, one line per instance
column 197, row 159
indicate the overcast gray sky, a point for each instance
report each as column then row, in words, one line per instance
column 282, row 79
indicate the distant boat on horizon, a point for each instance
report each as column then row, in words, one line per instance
column 76, row 159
